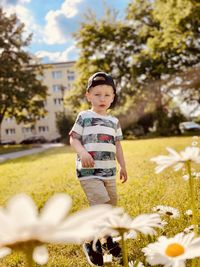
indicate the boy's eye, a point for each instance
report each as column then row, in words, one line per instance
column 97, row 94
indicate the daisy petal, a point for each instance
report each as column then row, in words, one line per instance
column 22, row 209
column 55, row 209
column 4, row 252
column 40, row 255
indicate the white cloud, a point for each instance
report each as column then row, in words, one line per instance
column 25, row 16
column 70, row 9
column 67, row 55
column 61, row 23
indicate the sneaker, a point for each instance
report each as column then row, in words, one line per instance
column 112, row 247
column 93, row 257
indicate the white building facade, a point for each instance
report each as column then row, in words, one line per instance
column 59, row 78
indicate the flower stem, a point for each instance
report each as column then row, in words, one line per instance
column 193, row 204
column 124, row 251
column 192, row 194
column 29, row 259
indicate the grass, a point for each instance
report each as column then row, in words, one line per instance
column 13, row 148
column 53, row 171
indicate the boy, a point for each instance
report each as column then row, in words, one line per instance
column 96, row 137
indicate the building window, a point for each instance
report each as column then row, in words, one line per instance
column 56, row 74
column 58, row 101
column 70, row 75
column 10, row 131
column 27, row 129
column 7, row 120
column 56, row 88
column 43, row 129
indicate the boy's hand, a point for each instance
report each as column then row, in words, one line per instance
column 123, row 175
column 87, row 160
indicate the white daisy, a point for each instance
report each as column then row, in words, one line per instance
column 194, row 143
column 167, row 210
column 173, row 252
column 177, row 159
column 135, row 264
column 107, row 258
column 189, row 229
column 20, row 224
column 185, row 177
column 196, row 175
column 158, row 208
column 188, row 212
column 124, row 224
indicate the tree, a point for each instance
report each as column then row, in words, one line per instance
column 157, row 39
column 171, row 31
column 64, row 123
column 21, row 91
column 104, row 45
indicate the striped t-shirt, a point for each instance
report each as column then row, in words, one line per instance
column 97, row 133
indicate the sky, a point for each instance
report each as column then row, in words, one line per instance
column 52, row 23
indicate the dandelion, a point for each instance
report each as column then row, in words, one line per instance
column 191, row 154
column 173, row 252
column 22, row 228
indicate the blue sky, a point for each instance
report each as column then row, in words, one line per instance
column 52, row 23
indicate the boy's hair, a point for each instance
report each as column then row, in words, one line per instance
column 100, row 78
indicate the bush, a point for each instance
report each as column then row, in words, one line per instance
column 64, row 123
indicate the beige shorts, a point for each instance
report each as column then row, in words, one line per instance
column 100, row 191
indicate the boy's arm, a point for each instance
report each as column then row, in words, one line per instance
column 121, row 161
column 86, row 159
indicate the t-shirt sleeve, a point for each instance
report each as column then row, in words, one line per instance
column 119, row 135
column 77, row 129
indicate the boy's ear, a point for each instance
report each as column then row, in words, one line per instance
column 87, row 95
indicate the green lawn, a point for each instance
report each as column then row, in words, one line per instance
column 13, row 148
column 54, row 171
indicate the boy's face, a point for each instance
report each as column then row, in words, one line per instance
column 100, row 97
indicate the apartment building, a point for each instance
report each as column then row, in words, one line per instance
column 59, row 78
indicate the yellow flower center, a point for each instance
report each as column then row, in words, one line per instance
column 174, row 250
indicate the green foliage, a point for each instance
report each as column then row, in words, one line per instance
column 161, row 122
column 155, row 42
column 64, row 123
column 21, row 91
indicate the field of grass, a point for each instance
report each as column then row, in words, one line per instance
column 53, row 171
column 13, row 148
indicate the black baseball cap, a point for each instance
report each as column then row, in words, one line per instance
column 106, row 79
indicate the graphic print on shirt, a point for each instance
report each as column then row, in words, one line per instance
column 98, row 135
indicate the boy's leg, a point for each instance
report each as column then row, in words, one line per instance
column 111, row 189
column 111, row 246
column 95, row 191
column 94, row 257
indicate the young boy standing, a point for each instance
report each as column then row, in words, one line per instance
column 96, row 137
